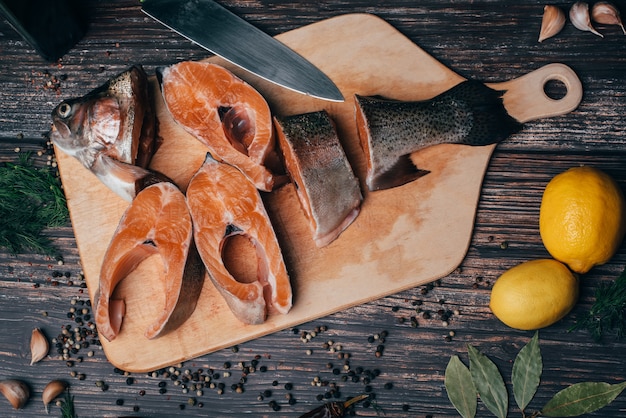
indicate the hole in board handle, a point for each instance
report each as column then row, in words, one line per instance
column 555, row 89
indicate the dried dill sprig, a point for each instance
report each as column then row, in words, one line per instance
column 31, row 200
column 608, row 312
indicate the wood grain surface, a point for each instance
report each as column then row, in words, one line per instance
column 486, row 40
column 404, row 234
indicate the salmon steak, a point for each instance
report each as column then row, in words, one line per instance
column 225, row 205
column 113, row 126
column 226, row 114
column 157, row 221
column 469, row 113
column 328, row 191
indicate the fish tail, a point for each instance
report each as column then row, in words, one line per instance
column 491, row 121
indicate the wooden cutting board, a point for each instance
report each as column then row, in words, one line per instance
column 404, row 237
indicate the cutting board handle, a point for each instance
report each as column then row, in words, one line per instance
column 525, row 98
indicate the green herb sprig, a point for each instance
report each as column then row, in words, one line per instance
column 67, row 407
column 484, row 378
column 31, row 200
column 608, row 312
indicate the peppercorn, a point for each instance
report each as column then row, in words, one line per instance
column 275, row 406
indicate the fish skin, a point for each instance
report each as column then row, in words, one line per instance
column 328, row 191
column 115, row 120
column 146, row 229
column 469, row 113
column 224, row 203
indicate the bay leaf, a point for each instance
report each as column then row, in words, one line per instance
column 582, row 398
column 460, row 388
column 489, row 383
column 526, row 374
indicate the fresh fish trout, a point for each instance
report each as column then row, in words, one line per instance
column 328, row 191
column 469, row 113
column 111, row 131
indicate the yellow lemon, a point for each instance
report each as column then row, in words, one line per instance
column 534, row 294
column 582, row 218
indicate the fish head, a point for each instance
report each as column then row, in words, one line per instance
column 108, row 120
column 86, row 126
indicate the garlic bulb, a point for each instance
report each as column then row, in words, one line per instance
column 579, row 16
column 38, row 346
column 16, row 392
column 552, row 22
column 606, row 13
column 51, row 391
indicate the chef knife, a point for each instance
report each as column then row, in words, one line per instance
column 225, row 34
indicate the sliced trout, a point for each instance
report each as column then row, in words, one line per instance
column 225, row 204
column 225, row 113
column 328, row 191
column 156, row 222
column 469, row 113
column 114, row 121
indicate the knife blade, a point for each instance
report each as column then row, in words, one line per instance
column 225, row 34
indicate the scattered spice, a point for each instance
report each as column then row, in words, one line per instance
column 333, row 409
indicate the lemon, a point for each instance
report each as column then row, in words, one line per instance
column 582, row 218
column 534, row 294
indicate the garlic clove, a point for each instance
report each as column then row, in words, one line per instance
column 38, row 346
column 16, row 392
column 552, row 22
column 579, row 16
column 51, row 391
column 606, row 13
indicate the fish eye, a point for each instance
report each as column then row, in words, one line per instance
column 64, row 110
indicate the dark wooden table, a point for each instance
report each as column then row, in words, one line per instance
column 481, row 39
